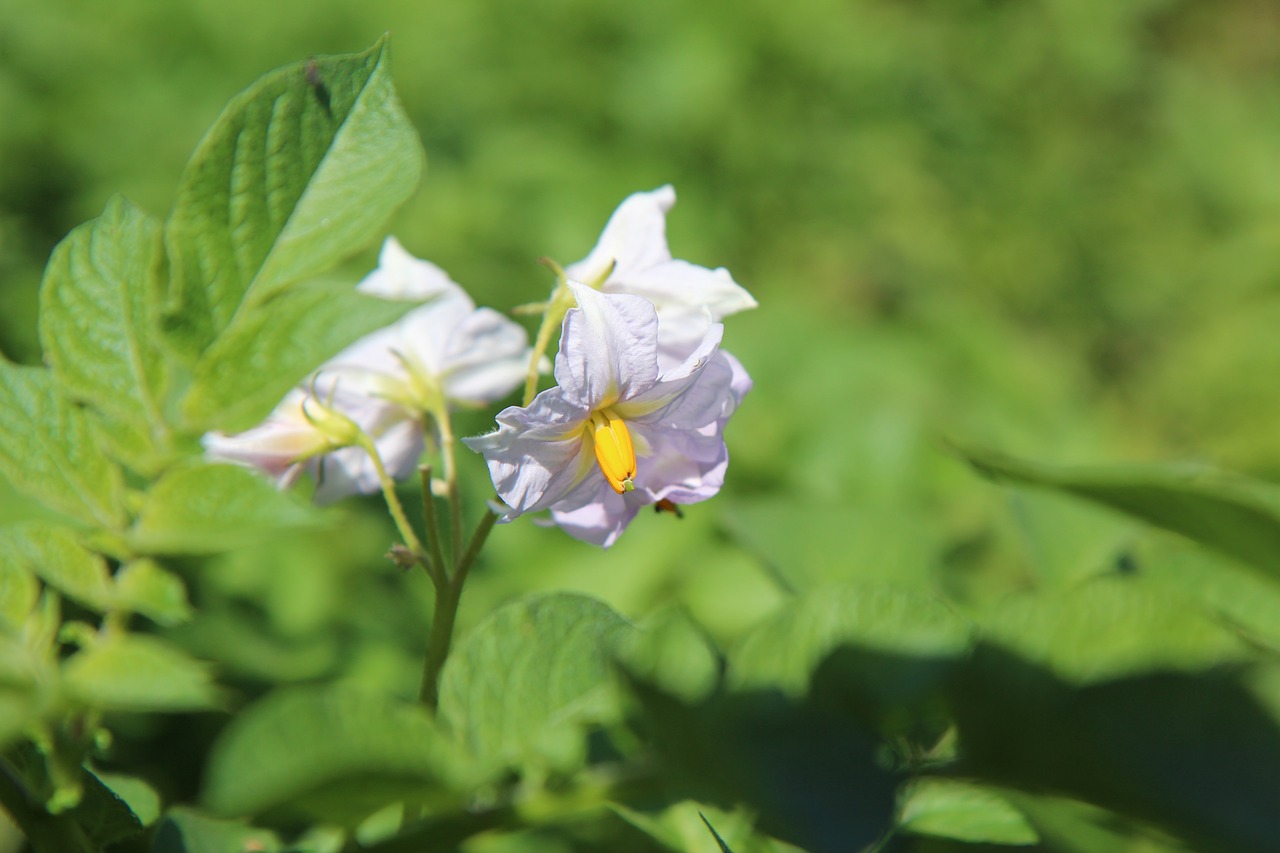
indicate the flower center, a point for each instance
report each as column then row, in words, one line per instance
column 614, row 452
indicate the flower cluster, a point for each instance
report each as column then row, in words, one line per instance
column 636, row 417
column 642, row 391
column 372, row 404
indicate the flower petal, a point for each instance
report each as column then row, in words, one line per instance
column 402, row 276
column 600, row 517
column 539, row 454
column 608, row 349
column 635, row 237
column 486, row 360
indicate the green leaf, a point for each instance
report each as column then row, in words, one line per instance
column 139, row 796
column 332, row 753
column 1111, row 628
column 99, row 319
column 207, row 509
column 673, row 653
column 103, row 814
column 301, row 170
column 519, row 687
column 19, row 591
column 271, row 347
column 785, row 650
column 950, row 808
column 128, row 672
column 811, row 776
column 1233, row 515
column 55, row 555
column 142, row 586
column 808, row 544
column 187, row 831
column 48, row 452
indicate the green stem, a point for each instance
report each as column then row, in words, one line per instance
column 396, row 508
column 47, row 833
column 436, row 568
column 445, row 614
column 451, row 481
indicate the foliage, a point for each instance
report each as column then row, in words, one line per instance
column 866, row 646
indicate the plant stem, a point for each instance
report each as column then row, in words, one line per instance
column 436, row 571
column 451, row 482
column 560, row 302
column 411, row 540
column 445, row 614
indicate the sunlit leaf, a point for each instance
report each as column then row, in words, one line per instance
column 271, row 347
column 185, row 830
column 127, row 672
column 948, row 808
column 301, row 170
column 331, row 752
column 48, row 453
column 208, row 508
column 100, row 320
column 521, row 684
column 144, row 587
column 55, row 555
column 1233, row 515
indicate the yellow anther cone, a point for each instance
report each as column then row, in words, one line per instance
column 614, row 452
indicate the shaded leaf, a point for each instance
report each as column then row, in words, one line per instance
column 522, row 682
column 103, row 815
column 332, row 753
column 1192, row 752
column 302, row 169
column 48, row 453
column 209, row 508
column 812, row 778
column 128, row 672
column 99, row 320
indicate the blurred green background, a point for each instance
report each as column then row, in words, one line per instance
column 1046, row 226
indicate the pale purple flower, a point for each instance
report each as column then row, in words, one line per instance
column 390, row 383
column 306, row 434
column 632, row 257
column 616, row 432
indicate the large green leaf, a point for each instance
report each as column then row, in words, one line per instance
column 1233, row 515
column 99, row 319
column 334, row 753
column 127, row 672
column 301, row 170
column 207, row 508
column 55, row 555
column 271, row 347
column 950, row 808
column 48, row 452
column 519, row 686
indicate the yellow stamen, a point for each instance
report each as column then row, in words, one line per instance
column 614, row 452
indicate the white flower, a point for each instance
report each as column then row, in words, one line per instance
column 304, row 434
column 615, row 433
column 632, row 257
column 443, row 354
column 446, row 353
